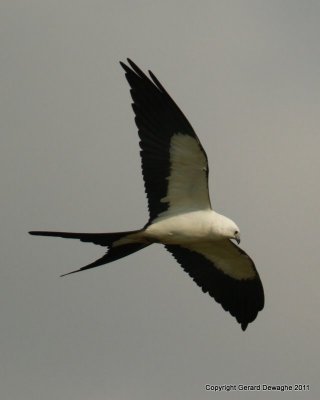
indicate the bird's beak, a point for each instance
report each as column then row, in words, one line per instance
column 237, row 237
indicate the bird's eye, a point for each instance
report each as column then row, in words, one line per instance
column 236, row 232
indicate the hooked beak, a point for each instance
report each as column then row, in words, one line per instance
column 237, row 237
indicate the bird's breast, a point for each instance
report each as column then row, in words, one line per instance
column 182, row 228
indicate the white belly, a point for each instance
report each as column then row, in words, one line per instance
column 183, row 228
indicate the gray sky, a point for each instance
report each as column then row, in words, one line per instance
column 246, row 74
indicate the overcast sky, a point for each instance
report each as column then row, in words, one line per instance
column 246, row 74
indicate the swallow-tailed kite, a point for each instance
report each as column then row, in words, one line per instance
column 175, row 171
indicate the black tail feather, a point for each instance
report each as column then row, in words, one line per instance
column 102, row 239
column 113, row 254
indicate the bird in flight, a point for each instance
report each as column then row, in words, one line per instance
column 175, row 171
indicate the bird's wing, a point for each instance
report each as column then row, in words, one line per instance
column 174, row 163
column 227, row 273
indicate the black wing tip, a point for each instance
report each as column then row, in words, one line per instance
column 243, row 321
column 135, row 69
column 129, row 61
column 123, row 65
column 244, row 325
column 133, row 65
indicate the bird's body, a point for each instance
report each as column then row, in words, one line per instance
column 188, row 227
column 175, row 170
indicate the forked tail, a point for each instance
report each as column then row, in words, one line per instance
column 120, row 244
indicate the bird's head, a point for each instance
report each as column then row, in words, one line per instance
column 236, row 235
column 231, row 230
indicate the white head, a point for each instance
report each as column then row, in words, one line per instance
column 229, row 229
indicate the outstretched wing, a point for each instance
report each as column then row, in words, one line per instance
column 174, row 163
column 227, row 273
